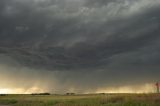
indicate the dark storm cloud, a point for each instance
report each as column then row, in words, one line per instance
column 39, row 32
column 105, row 37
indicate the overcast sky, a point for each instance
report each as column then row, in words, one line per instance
column 79, row 45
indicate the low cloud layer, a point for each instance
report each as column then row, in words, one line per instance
column 86, row 43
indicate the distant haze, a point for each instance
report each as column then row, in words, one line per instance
column 81, row 46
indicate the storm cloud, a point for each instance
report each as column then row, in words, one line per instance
column 93, row 39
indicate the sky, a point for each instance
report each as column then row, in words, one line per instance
column 81, row 46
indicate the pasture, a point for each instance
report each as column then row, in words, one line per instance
column 81, row 100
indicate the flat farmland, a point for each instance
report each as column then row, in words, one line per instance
column 81, row 100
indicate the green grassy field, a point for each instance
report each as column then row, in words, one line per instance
column 82, row 100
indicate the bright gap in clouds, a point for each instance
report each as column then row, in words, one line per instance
column 146, row 88
column 20, row 90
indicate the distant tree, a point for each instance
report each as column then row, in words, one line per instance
column 70, row 93
column 40, row 94
column 3, row 94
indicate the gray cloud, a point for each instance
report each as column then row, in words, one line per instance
column 104, row 37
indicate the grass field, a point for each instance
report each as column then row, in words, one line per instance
column 82, row 100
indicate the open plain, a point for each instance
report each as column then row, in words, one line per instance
column 82, row 100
